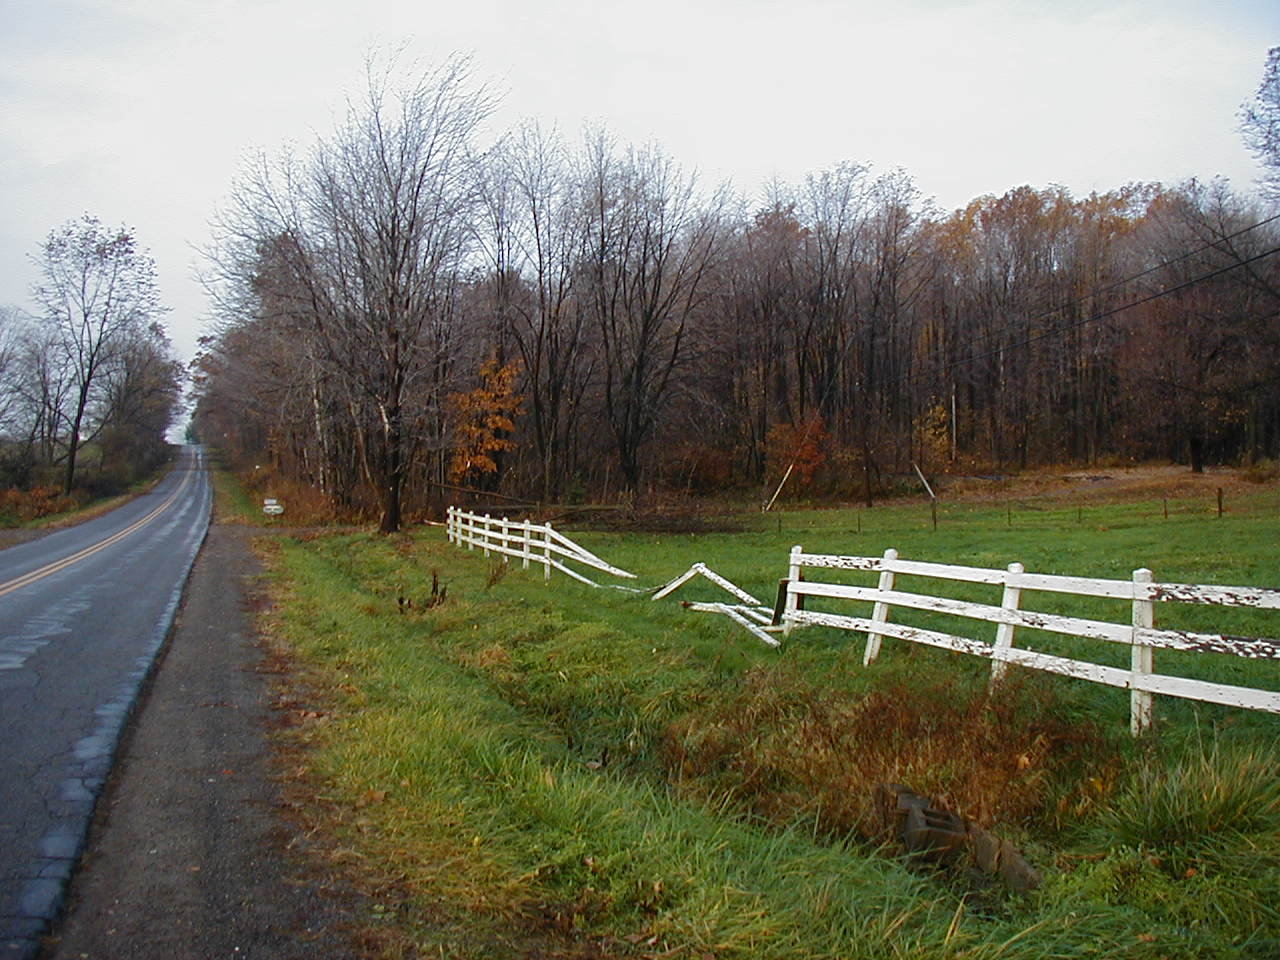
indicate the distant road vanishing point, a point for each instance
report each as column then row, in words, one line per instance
column 83, row 614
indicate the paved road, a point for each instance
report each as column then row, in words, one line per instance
column 83, row 613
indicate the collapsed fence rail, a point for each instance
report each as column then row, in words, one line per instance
column 540, row 543
column 537, row 543
column 1140, row 634
column 531, row 542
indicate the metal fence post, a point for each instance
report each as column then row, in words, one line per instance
column 1141, row 657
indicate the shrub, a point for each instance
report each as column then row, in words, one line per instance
column 787, row 748
column 23, row 506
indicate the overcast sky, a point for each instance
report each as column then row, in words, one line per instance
column 141, row 111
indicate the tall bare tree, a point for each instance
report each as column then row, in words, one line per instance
column 98, row 289
column 1260, row 124
column 367, row 238
column 652, row 244
column 536, row 234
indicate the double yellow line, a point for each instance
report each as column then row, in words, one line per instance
column 52, row 568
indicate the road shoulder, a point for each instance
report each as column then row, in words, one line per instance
column 189, row 855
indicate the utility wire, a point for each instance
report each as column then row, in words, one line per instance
column 1115, row 284
column 1058, row 330
column 1094, row 318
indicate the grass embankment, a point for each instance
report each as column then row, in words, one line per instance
column 548, row 770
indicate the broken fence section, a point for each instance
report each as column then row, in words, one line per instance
column 531, row 543
column 540, row 543
column 750, row 613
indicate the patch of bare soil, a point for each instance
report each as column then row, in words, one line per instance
column 1104, row 484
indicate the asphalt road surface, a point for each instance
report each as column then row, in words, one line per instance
column 83, row 614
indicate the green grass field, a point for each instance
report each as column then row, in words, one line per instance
column 544, row 769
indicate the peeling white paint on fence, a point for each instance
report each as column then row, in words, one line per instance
column 1140, row 634
column 541, row 544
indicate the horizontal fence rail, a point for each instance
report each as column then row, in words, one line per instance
column 530, row 542
column 541, row 544
column 1140, row 635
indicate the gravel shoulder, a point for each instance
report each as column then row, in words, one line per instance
column 190, row 855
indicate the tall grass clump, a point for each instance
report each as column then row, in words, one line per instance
column 788, row 746
column 1212, row 793
column 1195, row 837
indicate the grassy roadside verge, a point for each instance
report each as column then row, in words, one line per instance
column 534, row 770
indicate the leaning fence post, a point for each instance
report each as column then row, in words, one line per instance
column 1141, row 656
column 793, row 574
column 1004, row 632
column 880, row 612
column 546, row 552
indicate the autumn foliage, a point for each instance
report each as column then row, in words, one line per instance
column 802, row 447
column 483, row 421
column 23, row 506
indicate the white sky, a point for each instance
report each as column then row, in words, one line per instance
column 140, row 111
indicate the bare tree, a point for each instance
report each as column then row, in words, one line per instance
column 536, row 231
column 98, row 289
column 11, row 324
column 651, row 247
column 1260, row 124
column 367, row 239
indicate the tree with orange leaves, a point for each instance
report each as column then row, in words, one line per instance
column 483, row 420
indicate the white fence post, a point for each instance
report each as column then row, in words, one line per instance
column 448, row 524
column 880, row 612
column 546, row 551
column 469, row 525
column 1141, row 658
column 488, row 520
column 524, row 544
column 1004, row 632
column 793, row 575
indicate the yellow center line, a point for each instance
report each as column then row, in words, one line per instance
column 52, row 568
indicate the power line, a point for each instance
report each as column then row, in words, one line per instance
column 1094, row 318
column 1058, row 330
column 1097, row 291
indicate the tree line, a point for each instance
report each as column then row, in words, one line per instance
column 401, row 311
column 89, row 385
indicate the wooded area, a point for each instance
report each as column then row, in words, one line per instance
column 562, row 320
column 92, row 373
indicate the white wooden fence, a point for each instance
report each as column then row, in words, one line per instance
column 1139, row 634
column 531, row 542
